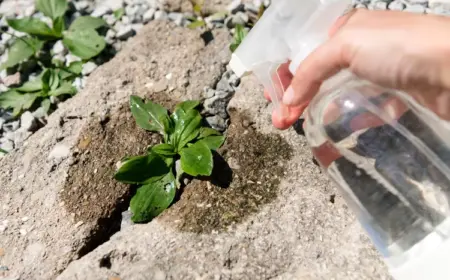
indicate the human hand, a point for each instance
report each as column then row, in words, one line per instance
column 398, row 50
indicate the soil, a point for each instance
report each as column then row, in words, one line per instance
column 95, row 196
column 246, row 176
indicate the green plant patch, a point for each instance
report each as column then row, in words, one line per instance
column 156, row 173
column 239, row 35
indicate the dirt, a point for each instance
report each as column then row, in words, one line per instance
column 95, row 196
column 246, row 176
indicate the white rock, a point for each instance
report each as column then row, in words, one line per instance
column 48, row 21
column 110, row 19
column 418, row 9
column 125, row 32
column 12, row 80
column 439, row 3
column 114, row 4
column 29, row 11
column 59, row 57
column 7, row 145
column 2, row 121
column 58, row 48
column 23, row 232
column 234, row 5
column 110, row 36
column 131, row 10
column 60, row 151
column 71, row 58
column 83, row 6
column 101, row 10
column 148, row 15
column 419, row 1
column 160, row 15
column 28, row 122
column 126, row 20
column 396, row 6
column 137, row 26
column 39, row 113
column 88, row 68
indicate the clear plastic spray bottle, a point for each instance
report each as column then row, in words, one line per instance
column 393, row 169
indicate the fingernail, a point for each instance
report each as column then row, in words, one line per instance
column 289, row 96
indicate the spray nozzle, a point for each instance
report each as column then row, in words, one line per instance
column 289, row 30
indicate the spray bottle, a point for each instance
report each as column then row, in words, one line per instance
column 393, row 171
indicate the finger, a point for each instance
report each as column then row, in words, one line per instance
column 323, row 63
column 286, row 121
column 267, row 96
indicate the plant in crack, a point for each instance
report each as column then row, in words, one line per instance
column 186, row 148
column 239, row 35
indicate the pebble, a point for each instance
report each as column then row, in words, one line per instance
column 71, row 58
column 29, row 11
column 137, row 26
column 419, row 9
column 124, row 32
column 235, row 6
column 160, row 15
column 396, row 6
column 77, row 83
column 39, row 113
column 378, row 6
column 239, row 18
column 208, row 92
column 58, row 47
column 422, row 2
column 110, row 36
column 83, row 6
column 125, row 20
column 12, row 80
column 11, row 126
column 28, row 122
column 217, row 123
column 101, row 11
column 60, row 151
column 178, row 18
column 110, row 19
column 126, row 219
column 148, row 15
column 88, row 68
column 114, row 4
column 6, row 144
column 443, row 4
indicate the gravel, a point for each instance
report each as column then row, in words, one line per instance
column 88, row 68
column 28, row 122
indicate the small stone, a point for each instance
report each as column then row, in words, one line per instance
column 101, row 10
column 3, row 226
column 79, row 224
column 58, row 48
column 422, row 2
column 235, row 6
column 239, row 18
column 217, row 105
column 125, row 32
column 11, row 126
column 59, row 59
column 88, row 68
column 445, row 4
column 440, row 10
column 126, row 219
column 60, row 151
column 71, row 58
column 6, row 144
column 217, row 123
column 110, row 36
column 378, row 6
column 125, row 20
column 418, row 9
column 396, row 6
column 137, row 26
column 40, row 113
column 114, row 4
column 360, row 6
column 233, row 163
column 148, row 16
column 131, row 11
column 23, row 232
column 208, row 93
column 83, row 6
column 224, row 85
column 160, row 15
column 28, row 122
column 110, row 19
column 12, row 80
column 177, row 18
column 30, row 10
column 25, row 219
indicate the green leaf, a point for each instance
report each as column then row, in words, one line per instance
column 239, row 35
column 187, row 126
column 164, row 149
column 31, row 86
column 196, row 24
column 21, row 50
column 213, row 142
column 50, row 80
column 16, row 101
column 197, row 159
column 87, row 22
column 58, row 26
column 32, row 26
column 3, row 151
column 207, row 131
column 118, row 14
column 52, row 8
column 152, row 199
column 187, row 105
column 84, row 43
column 142, row 169
column 64, row 88
column 75, row 67
column 148, row 115
column 45, row 104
